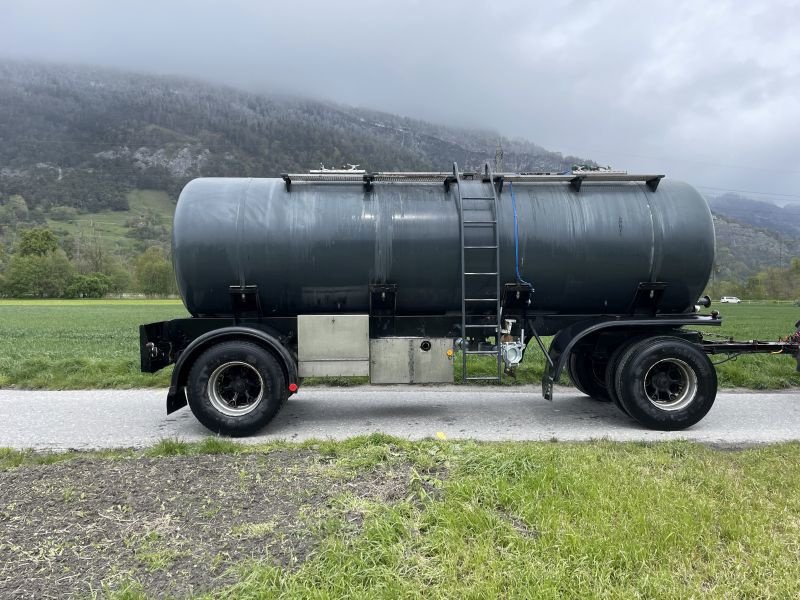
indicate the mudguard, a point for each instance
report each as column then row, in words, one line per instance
column 566, row 339
column 176, row 397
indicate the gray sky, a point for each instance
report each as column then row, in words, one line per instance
column 708, row 92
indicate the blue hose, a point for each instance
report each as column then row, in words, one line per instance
column 520, row 280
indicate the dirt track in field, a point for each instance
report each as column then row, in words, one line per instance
column 175, row 524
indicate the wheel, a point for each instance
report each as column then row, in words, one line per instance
column 588, row 375
column 236, row 388
column 570, row 366
column 666, row 383
column 611, row 371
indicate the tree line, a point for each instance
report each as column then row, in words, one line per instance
column 769, row 284
column 38, row 267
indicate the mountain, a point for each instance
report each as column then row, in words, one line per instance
column 753, row 235
column 764, row 215
column 84, row 137
column 744, row 250
column 100, row 155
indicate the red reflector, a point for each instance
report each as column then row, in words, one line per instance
column 292, row 387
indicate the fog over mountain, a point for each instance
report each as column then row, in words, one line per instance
column 99, row 156
column 705, row 92
column 784, row 220
column 84, row 137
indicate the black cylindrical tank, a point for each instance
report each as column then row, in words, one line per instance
column 318, row 247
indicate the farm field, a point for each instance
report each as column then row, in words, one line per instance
column 379, row 517
column 74, row 344
column 71, row 344
column 111, row 228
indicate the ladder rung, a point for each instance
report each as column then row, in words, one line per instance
column 479, row 211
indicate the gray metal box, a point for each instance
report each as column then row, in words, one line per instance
column 406, row 360
column 330, row 345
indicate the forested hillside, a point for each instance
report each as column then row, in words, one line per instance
column 82, row 137
column 97, row 157
column 783, row 220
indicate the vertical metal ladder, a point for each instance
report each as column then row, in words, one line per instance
column 475, row 251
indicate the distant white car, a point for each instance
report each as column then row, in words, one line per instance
column 730, row 300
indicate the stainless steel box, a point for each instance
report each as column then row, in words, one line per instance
column 330, row 345
column 411, row 360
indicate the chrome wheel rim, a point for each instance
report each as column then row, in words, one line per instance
column 235, row 388
column 670, row 384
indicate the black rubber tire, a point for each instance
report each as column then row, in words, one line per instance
column 588, row 375
column 572, row 377
column 634, row 367
column 275, row 390
column 611, row 371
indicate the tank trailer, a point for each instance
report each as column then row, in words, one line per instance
column 397, row 276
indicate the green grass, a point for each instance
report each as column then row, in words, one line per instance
column 549, row 520
column 570, row 521
column 760, row 321
column 109, row 226
column 765, row 321
column 10, row 458
column 73, row 344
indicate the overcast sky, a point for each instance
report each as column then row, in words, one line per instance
column 708, row 92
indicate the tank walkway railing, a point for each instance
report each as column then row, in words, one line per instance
column 575, row 180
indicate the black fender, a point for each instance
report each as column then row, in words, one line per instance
column 566, row 339
column 176, row 397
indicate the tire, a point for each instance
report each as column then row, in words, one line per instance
column 571, row 374
column 666, row 383
column 236, row 388
column 611, row 371
column 588, row 375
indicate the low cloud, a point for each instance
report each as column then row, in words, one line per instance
column 703, row 92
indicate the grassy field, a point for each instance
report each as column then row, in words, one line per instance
column 385, row 518
column 72, row 344
column 109, row 227
column 75, row 344
column 763, row 321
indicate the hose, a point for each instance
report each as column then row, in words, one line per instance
column 520, row 280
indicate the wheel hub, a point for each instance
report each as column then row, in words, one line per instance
column 670, row 384
column 235, row 388
column 661, row 382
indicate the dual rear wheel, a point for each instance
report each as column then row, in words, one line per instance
column 665, row 383
column 588, row 374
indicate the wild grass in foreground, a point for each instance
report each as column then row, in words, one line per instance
column 567, row 521
column 94, row 344
column 532, row 520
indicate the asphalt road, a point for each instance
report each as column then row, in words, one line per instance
column 136, row 418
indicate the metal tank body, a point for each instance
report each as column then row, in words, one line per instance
column 318, row 247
